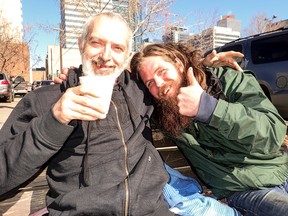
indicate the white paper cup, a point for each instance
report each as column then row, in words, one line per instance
column 102, row 86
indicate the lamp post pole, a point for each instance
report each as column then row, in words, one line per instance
column 60, row 45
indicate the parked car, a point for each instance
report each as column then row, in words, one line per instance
column 6, row 88
column 45, row 83
column 29, row 86
column 20, row 86
column 266, row 55
column 35, row 84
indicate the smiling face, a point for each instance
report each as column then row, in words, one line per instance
column 162, row 78
column 106, row 47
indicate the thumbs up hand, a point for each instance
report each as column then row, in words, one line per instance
column 189, row 97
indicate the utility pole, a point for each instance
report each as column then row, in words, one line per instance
column 60, row 45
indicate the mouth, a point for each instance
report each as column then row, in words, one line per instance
column 164, row 91
column 103, row 68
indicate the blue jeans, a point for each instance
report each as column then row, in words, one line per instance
column 269, row 201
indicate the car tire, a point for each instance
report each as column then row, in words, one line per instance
column 9, row 99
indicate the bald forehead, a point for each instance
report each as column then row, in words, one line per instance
column 110, row 28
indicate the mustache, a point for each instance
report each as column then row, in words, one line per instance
column 164, row 88
column 100, row 62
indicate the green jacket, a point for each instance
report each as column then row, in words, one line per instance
column 240, row 147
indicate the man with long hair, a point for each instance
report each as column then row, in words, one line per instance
column 223, row 123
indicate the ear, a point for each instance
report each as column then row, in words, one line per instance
column 80, row 45
column 180, row 65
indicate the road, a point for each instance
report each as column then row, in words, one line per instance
column 6, row 109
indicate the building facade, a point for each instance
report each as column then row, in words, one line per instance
column 74, row 13
column 15, row 55
column 177, row 34
column 73, row 16
column 228, row 29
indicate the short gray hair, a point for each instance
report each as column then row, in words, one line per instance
column 110, row 15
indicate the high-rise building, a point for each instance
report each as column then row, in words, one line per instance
column 176, row 34
column 227, row 30
column 230, row 21
column 11, row 17
column 75, row 13
column 73, row 16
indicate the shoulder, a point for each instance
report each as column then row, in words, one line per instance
column 135, row 88
column 44, row 96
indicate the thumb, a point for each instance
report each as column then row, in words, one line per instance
column 190, row 76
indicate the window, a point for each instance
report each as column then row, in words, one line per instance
column 236, row 48
column 272, row 49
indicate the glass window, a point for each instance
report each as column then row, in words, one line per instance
column 19, row 79
column 270, row 49
column 237, row 48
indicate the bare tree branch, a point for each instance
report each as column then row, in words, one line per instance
column 261, row 23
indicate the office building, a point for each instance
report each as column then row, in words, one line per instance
column 177, row 34
column 230, row 21
column 227, row 29
column 75, row 13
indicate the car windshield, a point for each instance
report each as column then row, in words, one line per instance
column 46, row 82
column 19, row 79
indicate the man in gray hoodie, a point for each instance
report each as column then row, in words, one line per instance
column 95, row 165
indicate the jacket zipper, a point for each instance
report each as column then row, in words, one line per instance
column 126, row 183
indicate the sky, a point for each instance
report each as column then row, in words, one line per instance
column 44, row 15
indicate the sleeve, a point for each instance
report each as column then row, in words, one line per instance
column 28, row 139
column 247, row 117
column 206, row 108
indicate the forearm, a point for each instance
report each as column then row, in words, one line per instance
column 26, row 145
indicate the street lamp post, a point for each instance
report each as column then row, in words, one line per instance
column 60, row 45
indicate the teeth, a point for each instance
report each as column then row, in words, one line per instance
column 164, row 92
column 167, row 90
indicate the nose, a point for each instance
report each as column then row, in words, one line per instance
column 106, row 53
column 158, row 81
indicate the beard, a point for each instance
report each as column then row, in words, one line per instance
column 88, row 70
column 167, row 111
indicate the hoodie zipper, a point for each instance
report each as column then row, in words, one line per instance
column 126, row 183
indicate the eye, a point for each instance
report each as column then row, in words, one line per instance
column 161, row 72
column 119, row 49
column 95, row 43
column 149, row 83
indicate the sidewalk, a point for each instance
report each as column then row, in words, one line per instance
column 29, row 199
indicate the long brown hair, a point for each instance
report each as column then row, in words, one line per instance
column 170, row 52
